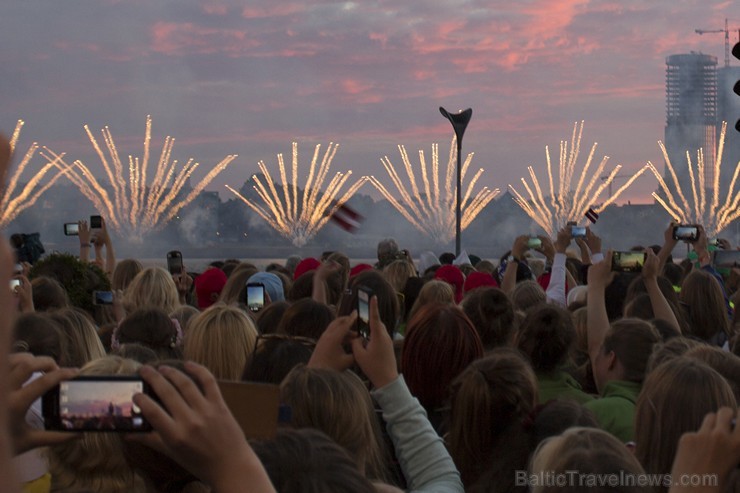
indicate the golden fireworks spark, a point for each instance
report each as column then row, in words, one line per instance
column 713, row 216
column 299, row 214
column 136, row 208
column 11, row 206
column 432, row 212
column 565, row 203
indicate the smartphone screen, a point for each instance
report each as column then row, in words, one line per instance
column 363, row 312
column 96, row 222
column 726, row 259
column 255, row 296
column 578, row 231
column 534, row 242
column 628, row 261
column 174, row 262
column 95, row 404
column 102, row 297
column 14, row 283
column 71, row 229
column 686, row 232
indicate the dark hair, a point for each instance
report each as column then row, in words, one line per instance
column 306, row 318
column 492, row 315
column 302, row 286
column 546, row 337
column 382, row 290
column 38, row 334
column 268, row 319
column 673, row 272
column 137, row 352
column 152, row 328
column 48, row 294
column 308, row 461
column 273, row 358
column 615, row 294
column 632, row 341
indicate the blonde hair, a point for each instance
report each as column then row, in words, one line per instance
column 338, row 404
column 96, row 461
column 83, row 344
column 124, row 273
column 398, row 272
column 527, row 294
column 235, row 284
column 221, row 338
column 152, row 287
column 434, row 291
column 588, row 450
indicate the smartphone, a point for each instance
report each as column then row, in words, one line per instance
column 363, row 311
column 255, row 296
column 95, row 403
column 578, row 231
column 686, row 232
column 726, row 259
column 534, row 242
column 96, row 222
column 14, row 283
column 628, row 261
column 71, row 229
column 174, row 262
column 102, row 297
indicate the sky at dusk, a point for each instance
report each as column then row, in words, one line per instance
column 249, row 77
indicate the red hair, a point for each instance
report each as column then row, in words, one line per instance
column 440, row 343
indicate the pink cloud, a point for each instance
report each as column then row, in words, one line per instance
column 176, row 39
column 273, row 9
column 215, row 8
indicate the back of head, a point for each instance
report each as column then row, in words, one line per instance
column 546, row 337
column 492, row 315
column 268, row 319
column 183, row 314
column 632, row 341
column 674, row 400
column 274, row 356
column 527, row 294
column 308, row 461
column 338, row 404
column 152, row 328
column 673, row 272
column 640, row 307
column 38, row 334
column 667, row 350
column 153, row 287
column 124, row 273
column 273, row 285
column 221, row 338
column 82, row 341
column 591, row 452
column 398, row 272
column 208, row 286
column 557, row 415
column 434, row 291
column 302, row 286
column 615, row 294
column 306, row 318
column 235, row 288
column 707, row 312
column 48, row 294
column 452, row 275
column 95, row 461
column 387, row 251
column 490, row 395
column 440, row 343
column 723, row 362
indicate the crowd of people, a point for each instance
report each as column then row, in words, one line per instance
column 543, row 370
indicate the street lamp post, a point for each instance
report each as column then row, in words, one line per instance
column 459, row 122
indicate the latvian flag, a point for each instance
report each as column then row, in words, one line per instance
column 592, row 215
column 347, row 218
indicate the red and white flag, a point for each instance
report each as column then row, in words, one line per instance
column 347, row 218
column 592, row 215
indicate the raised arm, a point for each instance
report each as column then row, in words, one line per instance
column 518, row 249
column 423, row 457
column 556, row 289
column 669, row 243
column 84, row 237
column 599, row 277
column 661, row 308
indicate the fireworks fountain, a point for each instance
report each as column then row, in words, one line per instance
column 713, row 216
column 565, row 203
column 433, row 213
column 299, row 214
column 11, row 206
column 135, row 209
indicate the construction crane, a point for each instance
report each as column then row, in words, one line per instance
column 727, row 39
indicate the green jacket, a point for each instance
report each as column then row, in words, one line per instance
column 560, row 385
column 615, row 410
